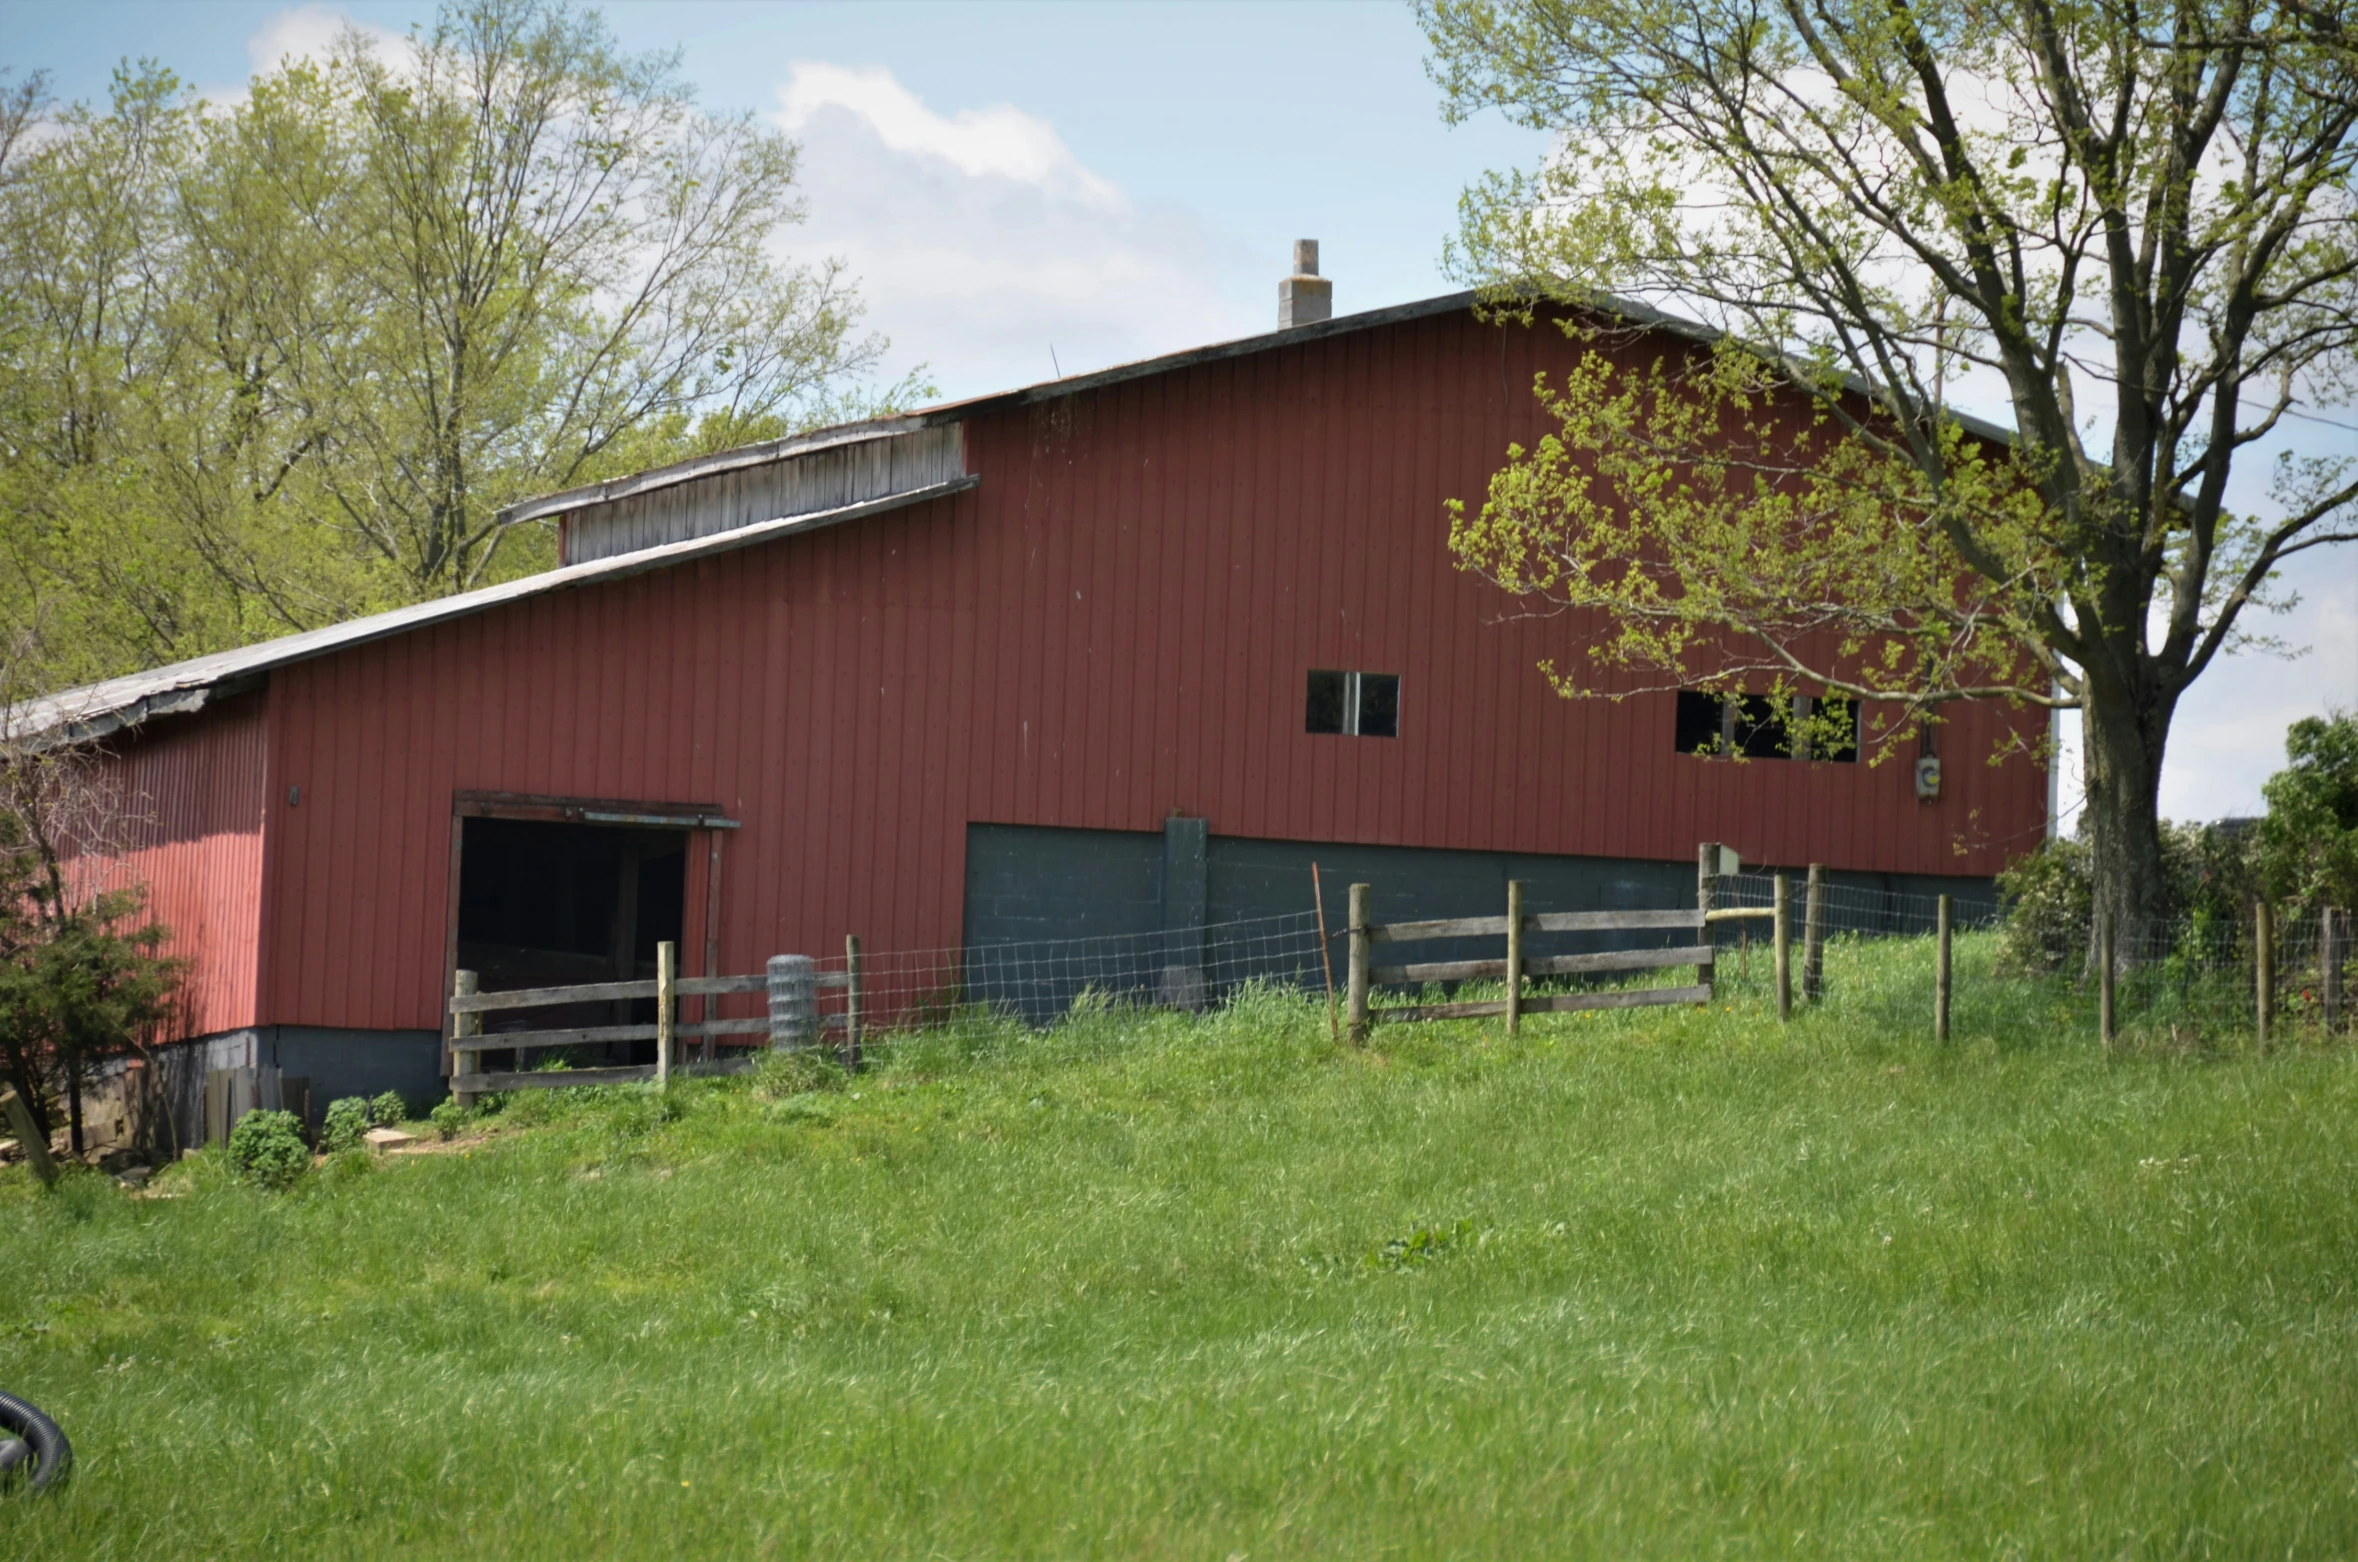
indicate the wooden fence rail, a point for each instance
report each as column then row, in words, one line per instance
column 468, row 1041
column 1517, row 968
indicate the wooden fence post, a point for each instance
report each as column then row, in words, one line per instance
column 1940, row 973
column 1355, row 983
column 19, row 1118
column 1813, row 939
column 463, row 1065
column 667, row 1003
column 2329, row 966
column 2263, row 966
column 1706, row 869
column 851, row 1001
column 1784, row 943
column 1514, row 970
column 2107, row 972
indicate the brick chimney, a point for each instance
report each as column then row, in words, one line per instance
column 1305, row 298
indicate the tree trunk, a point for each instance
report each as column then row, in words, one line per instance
column 2122, row 754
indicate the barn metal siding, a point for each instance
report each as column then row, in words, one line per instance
column 1115, row 624
column 190, row 793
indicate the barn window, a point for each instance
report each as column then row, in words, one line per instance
column 1365, row 705
column 1748, row 724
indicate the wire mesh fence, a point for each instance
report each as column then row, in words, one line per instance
column 1039, row 982
column 2187, row 981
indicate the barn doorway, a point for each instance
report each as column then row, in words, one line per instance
column 553, row 903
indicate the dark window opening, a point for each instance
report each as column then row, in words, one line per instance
column 1841, row 746
column 1365, row 705
column 1748, row 724
column 1326, row 702
column 548, row 904
column 1699, row 722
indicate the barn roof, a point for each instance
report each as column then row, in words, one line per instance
column 94, row 710
column 699, row 467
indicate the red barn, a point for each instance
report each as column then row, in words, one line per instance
column 1056, row 660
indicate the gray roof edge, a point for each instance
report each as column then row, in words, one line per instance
column 1633, row 310
column 96, row 709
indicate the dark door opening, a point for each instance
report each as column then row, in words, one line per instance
column 550, row 904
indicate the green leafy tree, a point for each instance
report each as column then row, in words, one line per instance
column 271, row 364
column 2135, row 228
column 2309, row 839
column 82, row 976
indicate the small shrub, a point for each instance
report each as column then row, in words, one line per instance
column 2048, row 897
column 267, row 1148
column 345, row 1122
column 448, row 1118
column 388, row 1109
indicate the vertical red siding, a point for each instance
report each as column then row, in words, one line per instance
column 1116, row 622
column 190, row 790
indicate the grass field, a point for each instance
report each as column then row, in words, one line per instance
column 1666, row 1284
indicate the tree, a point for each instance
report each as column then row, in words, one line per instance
column 81, row 973
column 2136, row 228
column 271, row 364
column 2309, row 839
column 553, row 247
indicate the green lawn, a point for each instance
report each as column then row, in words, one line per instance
column 1664, row 1284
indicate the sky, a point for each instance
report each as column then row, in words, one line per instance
column 1041, row 189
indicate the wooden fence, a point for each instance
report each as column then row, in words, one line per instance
column 1517, row 968
column 791, row 984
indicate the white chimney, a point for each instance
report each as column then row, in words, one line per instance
column 1305, row 298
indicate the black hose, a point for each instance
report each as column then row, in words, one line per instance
column 52, row 1454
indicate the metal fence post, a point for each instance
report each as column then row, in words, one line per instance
column 1355, row 985
column 1514, row 960
column 851, row 1001
column 794, row 1000
column 1784, row 942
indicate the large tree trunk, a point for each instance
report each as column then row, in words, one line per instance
column 2122, row 754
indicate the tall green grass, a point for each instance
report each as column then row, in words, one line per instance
column 1662, row 1283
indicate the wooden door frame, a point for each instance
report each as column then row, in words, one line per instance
column 611, row 812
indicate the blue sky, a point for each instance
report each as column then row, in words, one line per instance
column 1028, row 188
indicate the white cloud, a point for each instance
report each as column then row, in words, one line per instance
column 998, row 142
column 984, row 246
column 307, row 32
column 2228, row 736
